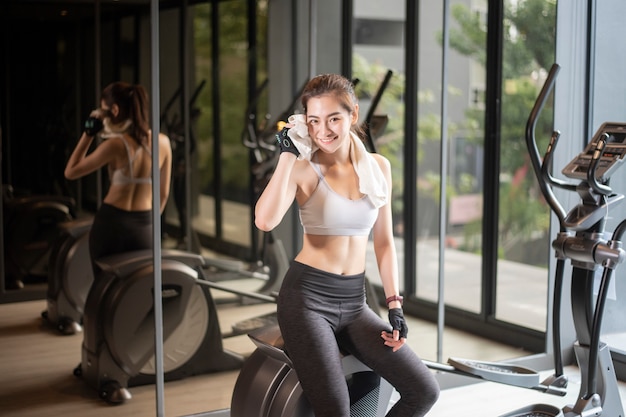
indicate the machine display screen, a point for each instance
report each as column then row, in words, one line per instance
column 613, row 156
column 617, row 138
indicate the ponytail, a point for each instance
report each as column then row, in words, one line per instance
column 132, row 101
column 139, row 112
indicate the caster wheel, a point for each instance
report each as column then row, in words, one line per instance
column 69, row 327
column 113, row 393
column 78, row 371
column 44, row 314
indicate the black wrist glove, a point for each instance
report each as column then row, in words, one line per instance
column 396, row 318
column 285, row 143
column 93, row 125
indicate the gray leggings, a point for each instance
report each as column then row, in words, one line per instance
column 320, row 313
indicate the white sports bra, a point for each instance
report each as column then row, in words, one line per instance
column 119, row 175
column 328, row 213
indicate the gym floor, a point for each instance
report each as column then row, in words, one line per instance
column 36, row 371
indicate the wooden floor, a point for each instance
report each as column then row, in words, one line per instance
column 37, row 363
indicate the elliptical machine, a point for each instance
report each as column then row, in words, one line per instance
column 118, row 321
column 581, row 240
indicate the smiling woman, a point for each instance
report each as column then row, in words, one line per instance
column 343, row 194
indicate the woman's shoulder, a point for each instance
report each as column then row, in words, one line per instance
column 303, row 173
column 164, row 140
column 115, row 143
column 303, row 166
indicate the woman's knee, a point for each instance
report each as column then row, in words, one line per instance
column 420, row 397
column 430, row 393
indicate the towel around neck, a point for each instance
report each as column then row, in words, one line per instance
column 372, row 181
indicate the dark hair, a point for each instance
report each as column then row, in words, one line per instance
column 334, row 85
column 132, row 100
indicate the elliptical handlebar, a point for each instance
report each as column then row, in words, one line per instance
column 547, row 165
column 249, row 138
column 542, row 170
column 593, row 166
column 370, row 143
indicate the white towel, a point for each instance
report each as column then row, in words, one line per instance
column 299, row 135
column 110, row 130
column 372, row 181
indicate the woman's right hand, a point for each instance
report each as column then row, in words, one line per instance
column 285, row 143
column 94, row 122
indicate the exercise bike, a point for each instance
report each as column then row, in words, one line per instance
column 118, row 322
column 581, row 240
column 267, row 385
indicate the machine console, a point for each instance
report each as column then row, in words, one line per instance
column 614, row 153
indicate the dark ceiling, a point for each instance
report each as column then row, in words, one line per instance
column 68, row 10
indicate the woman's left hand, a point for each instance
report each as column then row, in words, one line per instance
column 397, row 337
column 393, row 339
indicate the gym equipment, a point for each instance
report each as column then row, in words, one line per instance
column 175, row 130
column 118, row 344
column 274, row 262
column 581, row 240
column 267, row 385
column 30, row 227
column 271, row 257
column 70, row 276
column 501, row 373
column 374, row 125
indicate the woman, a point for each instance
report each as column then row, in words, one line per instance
column 343, row 194
column 124, row 220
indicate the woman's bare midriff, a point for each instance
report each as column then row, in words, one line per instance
column 342, row 255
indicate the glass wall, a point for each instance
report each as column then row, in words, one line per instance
column 223, row 54
column 529, row 31
column 465, row 131
column 491, row 281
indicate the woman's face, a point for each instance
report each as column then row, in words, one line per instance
column 329, row 122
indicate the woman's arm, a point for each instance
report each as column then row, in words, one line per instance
column 384, row 245
column 278, row 194
column 385, row 249
column 80, row 164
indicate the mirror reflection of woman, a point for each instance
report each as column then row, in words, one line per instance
column 123, row 222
